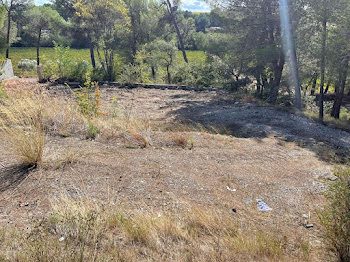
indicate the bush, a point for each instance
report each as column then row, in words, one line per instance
column 49, row 70
column 78, row 71
column 192, row 74
column 26, row 65
column 89, row 102
column 336, row 216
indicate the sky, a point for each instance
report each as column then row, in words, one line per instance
column 191, row 5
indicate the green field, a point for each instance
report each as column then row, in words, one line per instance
column 46, row 53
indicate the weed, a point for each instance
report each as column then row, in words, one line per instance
column 336, row 216
column 93, row 131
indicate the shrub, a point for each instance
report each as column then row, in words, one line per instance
column 63, row 60
column 21, row 129
column 79, row 71
column 89, row 102
column 180, row 139
column 192, row 74
column 26, row 65
column 49, row 70
column 335, row 217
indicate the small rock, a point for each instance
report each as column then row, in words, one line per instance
column 324, row 173
column 331, row 177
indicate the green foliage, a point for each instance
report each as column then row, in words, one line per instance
column 93, row 131
column 336, row 216
column 2, row 20
column 64, row 67
column 88, row 101
column 79, row 70
column 3, row 94
column 49, row 70
column 63, row 60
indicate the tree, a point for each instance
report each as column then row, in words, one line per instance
column 43, row 18
column 256, row 29
column 324, row 12
column 290, row 49
column 172, row 8
column 11, row 6
column 161, row 52
column 2, row 23
column 105, row 20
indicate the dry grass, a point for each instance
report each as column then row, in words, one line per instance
column 82, row 230
column 22, row 131
column 180, row 139
column 62, row 117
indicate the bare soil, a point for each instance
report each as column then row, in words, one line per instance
column 262, row 153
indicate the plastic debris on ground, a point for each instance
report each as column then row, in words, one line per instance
column 262, row 206
column 231, row 189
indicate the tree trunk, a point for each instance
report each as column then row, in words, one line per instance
column 327, row 88
column 133, row 40
column 168, row 74
column 8, row 33
column 92, row 54
column 340, row 92
column 277, row 70
column 153, row 72
column 323, row 67
column 313, row 89
column 173, row 18
column 38, row 48
column 295, row 75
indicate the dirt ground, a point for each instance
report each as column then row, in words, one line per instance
column 256, row 153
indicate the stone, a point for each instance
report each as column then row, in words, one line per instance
column 324, row 174
column 6, row 70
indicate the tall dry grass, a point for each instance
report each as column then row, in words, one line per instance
column 21, row 130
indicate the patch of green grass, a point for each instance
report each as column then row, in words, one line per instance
column 46, row 53
column 342, row 123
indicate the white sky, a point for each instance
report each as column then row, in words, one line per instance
column 191, row 5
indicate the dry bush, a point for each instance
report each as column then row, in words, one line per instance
column 85, row 231
column 21, row 128
column 180, row 139
column 140, row 139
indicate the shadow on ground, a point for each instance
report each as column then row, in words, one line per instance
column 247, row 120
column 12, row 176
